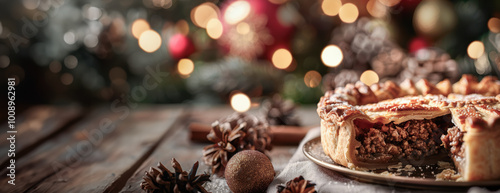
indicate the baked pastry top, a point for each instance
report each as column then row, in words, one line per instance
column 382, row 124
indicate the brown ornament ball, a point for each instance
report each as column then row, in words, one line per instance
column 249, row 171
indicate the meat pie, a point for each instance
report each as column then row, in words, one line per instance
column 383, row 124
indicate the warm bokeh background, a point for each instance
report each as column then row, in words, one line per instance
column 193, row 51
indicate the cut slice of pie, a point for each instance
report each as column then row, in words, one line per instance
column 383, row 124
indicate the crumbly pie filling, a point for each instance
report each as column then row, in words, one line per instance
column 453, row 141
column 392, row 143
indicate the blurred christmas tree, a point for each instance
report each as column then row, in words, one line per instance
column 170, row 51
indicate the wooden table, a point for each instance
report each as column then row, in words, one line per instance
column 108, row 148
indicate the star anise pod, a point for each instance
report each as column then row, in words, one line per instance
column 280, row 112
column 162, row 180
column 297, row 185
column 235, row 133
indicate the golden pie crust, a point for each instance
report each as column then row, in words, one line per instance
column 474, row 108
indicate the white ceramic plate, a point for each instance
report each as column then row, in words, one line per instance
column 423, row 179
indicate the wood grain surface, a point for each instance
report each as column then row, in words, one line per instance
column 99, row 150
column 35, row 126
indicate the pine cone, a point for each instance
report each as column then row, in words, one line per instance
column 297, row 185
column 360, row 42
column 236, row 133
column 161, row 180
column 389, row 62
column 226, row 138
column 430, row 63
column 280, row 112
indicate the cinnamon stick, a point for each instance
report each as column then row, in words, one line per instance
column 282, row 135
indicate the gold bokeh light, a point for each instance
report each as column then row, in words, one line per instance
column 475, row 49
column 389, row 3
column 331, row 56
column 369, row 77
column 243, row 28
column 312, row 79
column 203, row 13
column 282, row 58
column 214, row 29
column 236, row 12
column 331, row 7
column 139, row 26
column 240, row 102
column 182, row 27
column 376, row 9
column 185, row 66
column 150, row 41
column 494, row 25
column 348, row 13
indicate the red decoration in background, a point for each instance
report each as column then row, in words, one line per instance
column 180, row 46
column 418, row 43
column 267, row 31
column 279, row 30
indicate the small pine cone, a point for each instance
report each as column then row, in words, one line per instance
column 162, row 180
column 236, row 133
column 297, row 185
column 158, row 180
column 388, row 63
column 257, row 133
column 280, row 112
column 226, row 138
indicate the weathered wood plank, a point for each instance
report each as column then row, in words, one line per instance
column 78, row 159
column 36, row 125
column 122, row 150
column 104, row 142
column 44, row 160
column 179, row 146
column 175, row 145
